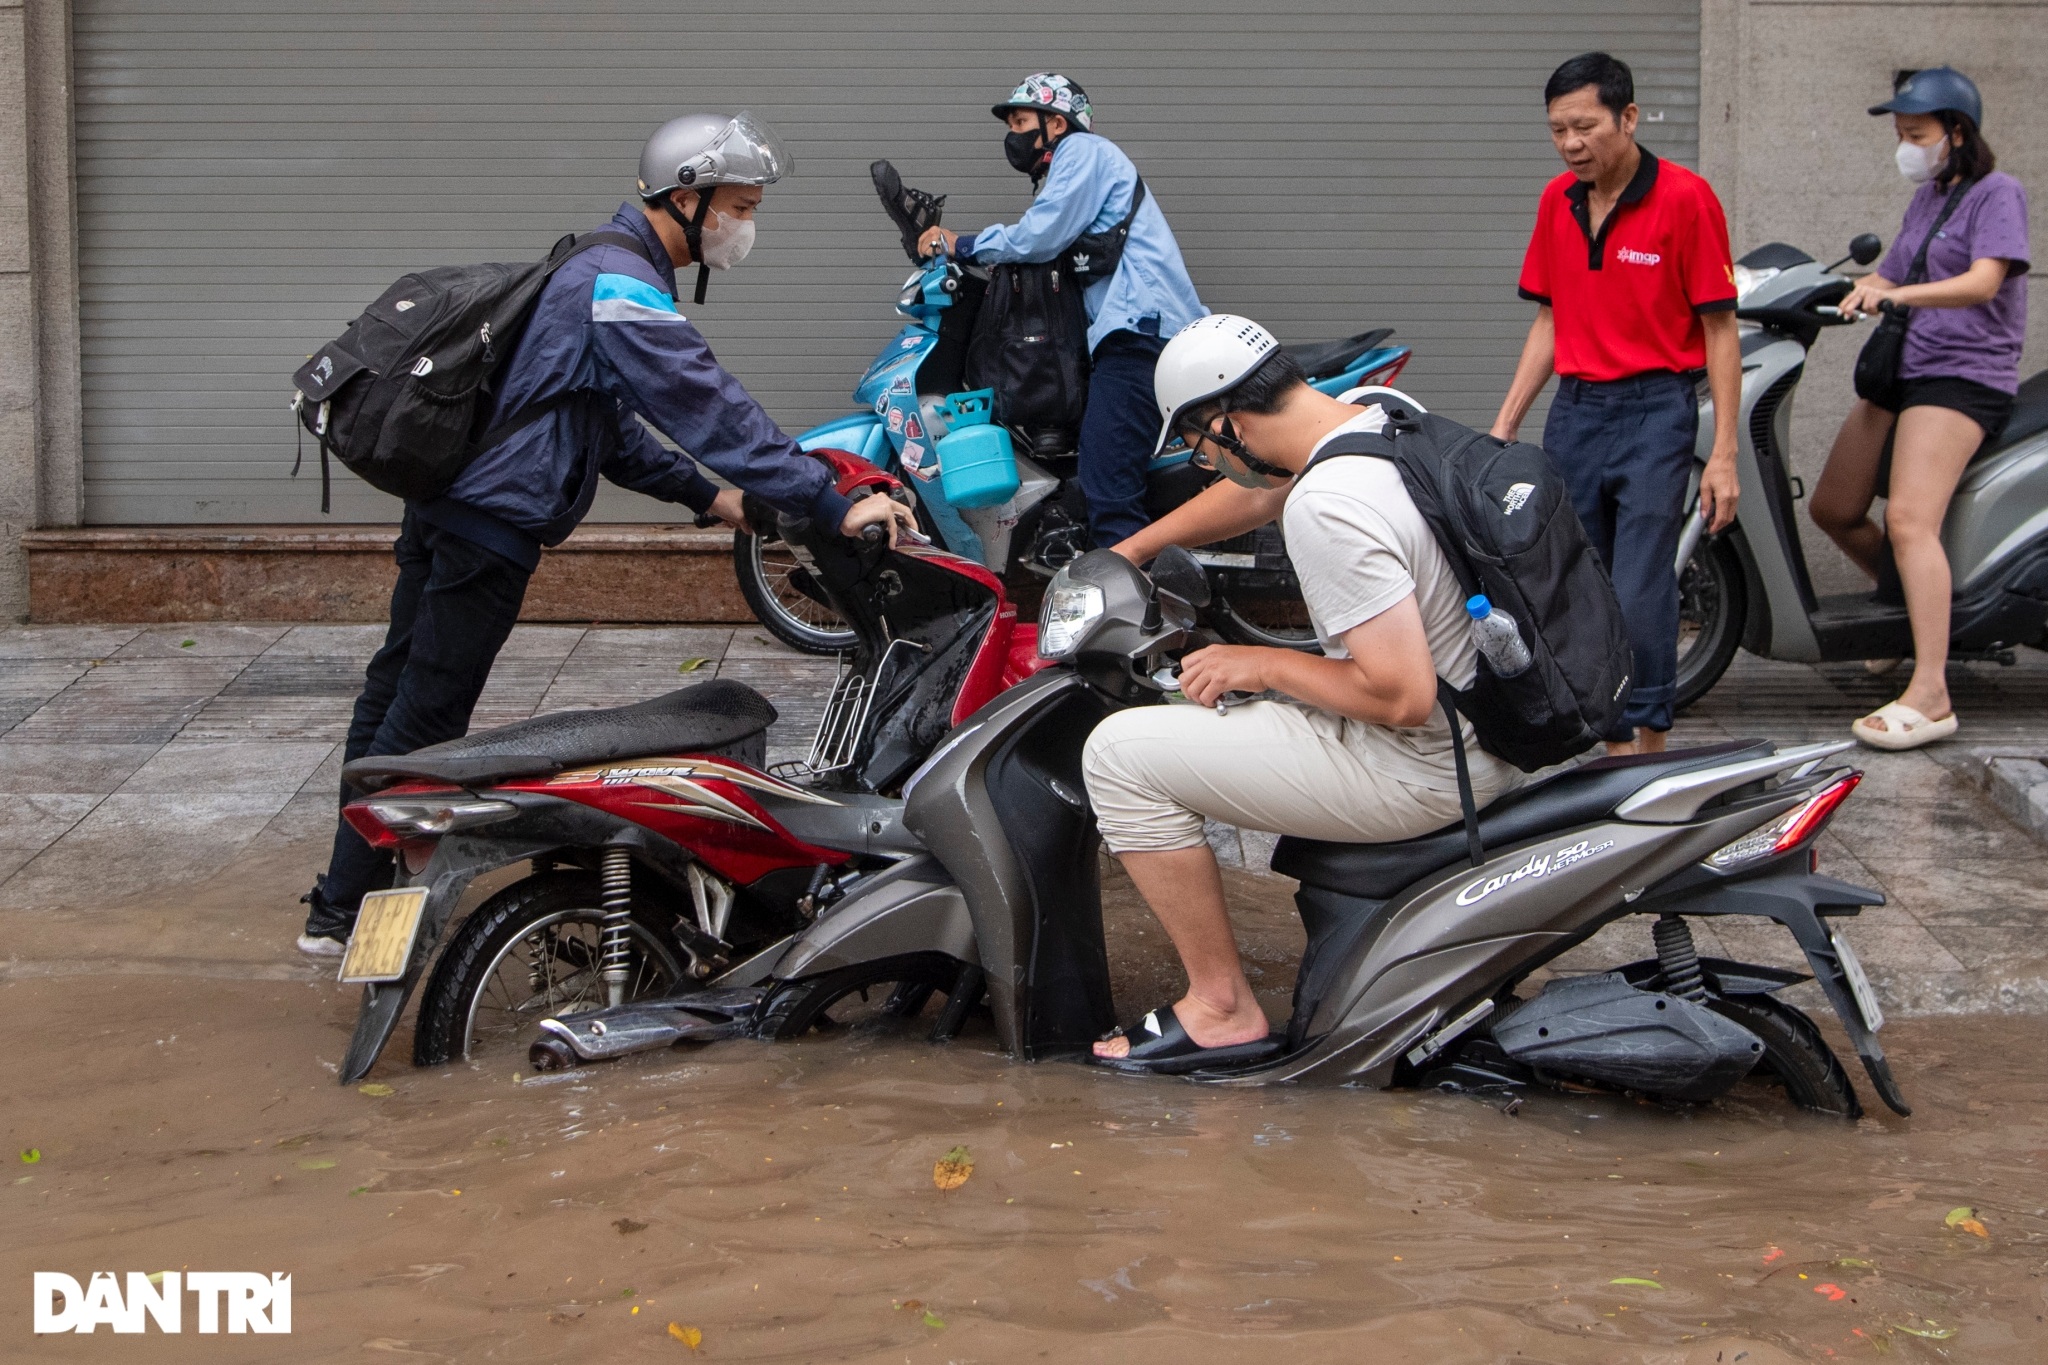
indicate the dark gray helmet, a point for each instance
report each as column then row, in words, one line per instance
column 700, row 150
column 1938, row 89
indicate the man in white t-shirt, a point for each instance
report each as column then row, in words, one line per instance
column 1355, row 746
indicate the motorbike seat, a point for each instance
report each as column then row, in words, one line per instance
column 2029, row 417
column 1577, row 796
column 721, row 718
column 1322, row 359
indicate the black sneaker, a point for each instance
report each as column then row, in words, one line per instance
column 327, row 927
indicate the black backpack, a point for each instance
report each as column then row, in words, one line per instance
column 399, row 396
column 1505, row 521
column 1030, row 344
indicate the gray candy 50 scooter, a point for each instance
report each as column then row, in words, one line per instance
column 1417, row 959
column 1749, row 588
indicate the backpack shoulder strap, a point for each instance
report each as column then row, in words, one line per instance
column 1352, row 443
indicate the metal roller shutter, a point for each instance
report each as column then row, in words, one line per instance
column 252, row 172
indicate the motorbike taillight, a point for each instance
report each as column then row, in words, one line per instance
column 1387, row 374
column 1789, row 830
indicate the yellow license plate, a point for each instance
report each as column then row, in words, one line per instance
column 385, row 928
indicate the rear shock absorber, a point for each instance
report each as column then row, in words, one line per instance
column 615, row 949
column 1678, row 958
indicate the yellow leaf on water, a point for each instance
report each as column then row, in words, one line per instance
column 952, row 1169
column 1965, row 1219
column 689, row 1336
column 932, row 1319
column 375, row 1089
column 1936, row 1334
column 317, row 1164
column 691, row 665
column 31, row 1155
column 1632, row 1279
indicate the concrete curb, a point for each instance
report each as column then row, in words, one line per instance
column 2017, row 784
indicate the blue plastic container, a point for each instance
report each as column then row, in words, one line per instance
column 977, row 462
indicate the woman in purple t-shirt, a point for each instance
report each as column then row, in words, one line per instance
column 1960, row 372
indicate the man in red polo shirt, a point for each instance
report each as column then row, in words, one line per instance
column 1630, row 269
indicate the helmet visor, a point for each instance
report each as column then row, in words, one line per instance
column 747, row 152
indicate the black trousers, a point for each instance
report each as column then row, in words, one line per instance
column 453, row 607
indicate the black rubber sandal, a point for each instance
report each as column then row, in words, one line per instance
column 1161, row 1047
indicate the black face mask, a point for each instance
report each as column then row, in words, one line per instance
column 1025, row 151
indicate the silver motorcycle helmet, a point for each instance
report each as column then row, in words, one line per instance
column 701, row 152
column 697, row 151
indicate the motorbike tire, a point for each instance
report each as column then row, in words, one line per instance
column 480, row 946
column 1713, row 605
column 1795, row 1057
column 762, row 564
column 800, row 1006
column 1240, row 625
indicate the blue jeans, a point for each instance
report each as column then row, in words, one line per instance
column 1118, row 430
column 454, row 604
column 1625, row 449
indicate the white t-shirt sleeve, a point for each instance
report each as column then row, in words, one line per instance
column 1346, row 556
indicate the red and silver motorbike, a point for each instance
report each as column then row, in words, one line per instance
column 664, row 851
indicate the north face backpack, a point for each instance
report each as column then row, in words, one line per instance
column 1501, row 512
column 399, row 397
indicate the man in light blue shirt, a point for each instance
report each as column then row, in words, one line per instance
column 1087, row 185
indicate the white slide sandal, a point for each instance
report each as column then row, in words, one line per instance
column 1904, row 728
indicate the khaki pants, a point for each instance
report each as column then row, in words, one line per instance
column 1154, row 772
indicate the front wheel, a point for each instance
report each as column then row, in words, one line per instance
column 1712, row 606
column 766, row 567
column 530, row 952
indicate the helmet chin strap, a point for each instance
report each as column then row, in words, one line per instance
column 1230, row 441
column 693, row 231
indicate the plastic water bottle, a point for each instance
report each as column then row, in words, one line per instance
column 1498, row 637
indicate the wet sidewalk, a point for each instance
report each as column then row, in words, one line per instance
column 137, row 758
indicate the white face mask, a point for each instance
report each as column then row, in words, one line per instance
column 726, row 245
column 1920, row 164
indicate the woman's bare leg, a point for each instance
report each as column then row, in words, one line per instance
column 1928, row 457
column 1185, row 891
column 1841, row 499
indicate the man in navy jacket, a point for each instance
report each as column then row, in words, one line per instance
column 605, row 349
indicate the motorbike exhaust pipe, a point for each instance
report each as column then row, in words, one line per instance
column 645, row 1026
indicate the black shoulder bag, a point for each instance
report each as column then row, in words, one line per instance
column 1877, row 365
column 1096, row 255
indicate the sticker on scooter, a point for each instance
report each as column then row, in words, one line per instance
column 1539, row 865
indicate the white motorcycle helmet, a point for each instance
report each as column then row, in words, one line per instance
column 1208, row 357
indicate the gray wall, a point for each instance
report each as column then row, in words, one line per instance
column 253, row 171
column 1787, row 143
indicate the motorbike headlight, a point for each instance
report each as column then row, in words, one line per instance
column 1070, row 610
column 1749, row 278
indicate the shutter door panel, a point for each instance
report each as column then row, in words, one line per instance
column 253, row 172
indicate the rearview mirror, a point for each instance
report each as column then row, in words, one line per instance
column 1178, row 572
column 1865, row 247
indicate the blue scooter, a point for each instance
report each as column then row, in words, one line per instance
column 909, row 402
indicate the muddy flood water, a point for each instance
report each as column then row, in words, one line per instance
column 778, row 1202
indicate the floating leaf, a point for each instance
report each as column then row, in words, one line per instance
column 913, row 1305
column 952, row 1169
column 691, row 665
column 375, row 1090
column 187, row 644
column 627, row 1225
column 1965, row 1219
column 1931, row 1333
column 299, row 1140
column 689, row 1336
column 317, row 1164
column 155, row 1277
column 932, row 1319
column 1634, row 1280
column 31, row 1155
column 1855, row 1263
column 360, row 1189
